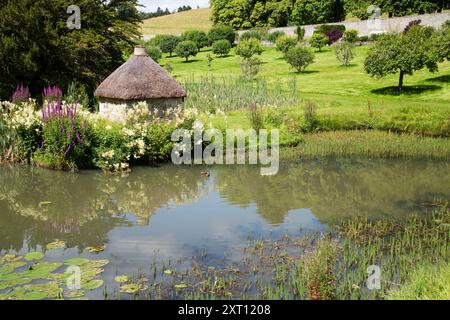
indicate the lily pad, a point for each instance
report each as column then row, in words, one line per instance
column 169, row 272
column 34, row 256
column 58, row 244
column 95, row 263
column 74, row 294
column 6, row 258
column 76, row 261
column 96, row 249
column 10, row 267
column 92, row 284
column 121, row 279
column 181, row 286
column 131, row 288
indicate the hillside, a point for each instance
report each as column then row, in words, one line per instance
column 177, row 23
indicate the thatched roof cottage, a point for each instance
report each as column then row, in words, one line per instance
column 138, row 79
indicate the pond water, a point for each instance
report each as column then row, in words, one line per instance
column 175, row 212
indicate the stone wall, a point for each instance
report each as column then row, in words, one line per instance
column 368, row 27
column 114, row 110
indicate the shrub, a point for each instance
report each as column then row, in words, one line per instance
column 363, row 38
column 248, row 48
column 310, row 116
column 221, row 32
column 299, row 58
column 333, row 35
column 250, row 67
column 300, row 32
column 76, row 94
column 318, row 41
column 154, row 52
column 256, row 117
column 351, row 36
column 186, row 49
column 221, row 47
column 412, row 24
column 198, row 37
column 167, row 43
column 66, row 139
column 344, row 52
column 251, row 34
column 273, row 36
column 158, row 142
column 285, row 43
column 169, row 67
column 327, row 27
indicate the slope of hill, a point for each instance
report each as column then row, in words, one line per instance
column 177, row 23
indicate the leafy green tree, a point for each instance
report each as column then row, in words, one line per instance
column 344, row 52
column 167, row 43
column 350, row 36
column 442, row 42
column 251, row 34
column 403, row 53
column 37, row 48
column 318, row 41
column 221, row 47
column 221, row 32
column 317, row 11
column 234, row 13
column 199, row 37
column 284, row 43
column 186, row 49
column 273, row 36
column 299, row 58
column 154, row 52
column 248, row 48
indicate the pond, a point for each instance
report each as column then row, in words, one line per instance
column 171, row 212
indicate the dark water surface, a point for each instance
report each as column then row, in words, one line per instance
column 174, row 212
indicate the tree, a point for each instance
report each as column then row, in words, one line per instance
column 251, row 34
column 221, row 47
column 344, row 52
column 317, row 11
column 403, row 53
column 300, row 32
column 221, row 32
column 351, row 36
column 199, row 37
column 442, row 42
column 186, row 49
column 284, row 43
column 43, row 51
column 154, row 52
column 318, row 41
column 299, row 58
column 167, row 43
column 248, row 48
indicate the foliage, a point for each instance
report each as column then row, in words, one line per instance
column 248, row 48
column 198, row 37
column 299, row 58
column 256, row 117
column 76, row 94
column 251, row 34
column 403, row 53
column 21, row 94
column 442, row 42
column 273, row 36
column 87, row 55
column 167, row 43
column 154, row 52
column 221, row 32
column 350, row 36
column 221, row 47
column 316, row 11
column 186, row 49
column 333, row 35
column 344, row 52
column 285, row 43
column 310, row 116
column 52, row 94
column 318, row 40
column 328, row 27
column 250, row 67
column 300, row 32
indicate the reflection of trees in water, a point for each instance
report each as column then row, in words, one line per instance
column 337, row 189
column 83, row 207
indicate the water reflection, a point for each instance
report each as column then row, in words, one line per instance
column 89, row 208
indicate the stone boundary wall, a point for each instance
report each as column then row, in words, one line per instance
column 368, row 27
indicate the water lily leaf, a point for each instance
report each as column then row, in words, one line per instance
column 34, row 256
column 40, row 270
column 34, row 296
column 58, row 244
column 6, row 258
column 130, row 288
column 92, row 284
column 10, row 267
column 169, row 272
column 76, row 261
column 51, row 290
column 96, row 249
column 74, row 294
column 95, row 263
column 181, row 286
column 121, row 279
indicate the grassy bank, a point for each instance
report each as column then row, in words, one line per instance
column 335, row 265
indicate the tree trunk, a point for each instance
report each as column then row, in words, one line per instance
column 400, row 80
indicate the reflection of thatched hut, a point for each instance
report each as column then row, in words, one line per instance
column 139, row 79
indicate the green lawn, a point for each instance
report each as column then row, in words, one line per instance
column 328, row 83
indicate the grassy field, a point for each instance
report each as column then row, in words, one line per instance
column 178, row 23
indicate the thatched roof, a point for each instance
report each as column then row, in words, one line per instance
column 139, row 78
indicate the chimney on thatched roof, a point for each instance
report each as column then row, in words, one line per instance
column 140, row 78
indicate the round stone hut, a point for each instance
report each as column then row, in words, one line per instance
column 138, row 79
